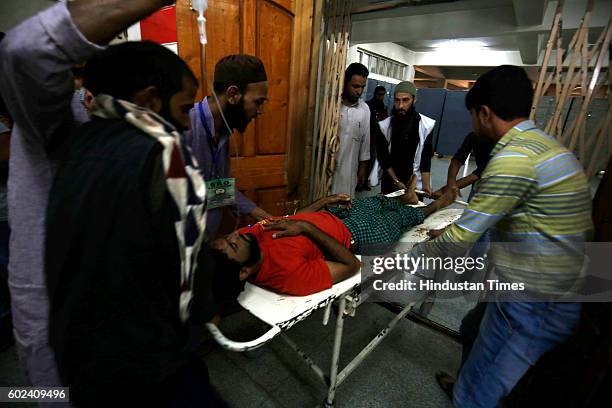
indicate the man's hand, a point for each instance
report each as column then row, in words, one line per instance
column 434, row 233
column 448, row 197
column 339, row 200
column 286, row 227
column 445, row 200
column 400, row 186
column 438, row 193
column 259, row 214
column 362, row 177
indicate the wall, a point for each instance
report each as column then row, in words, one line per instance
column 12, row 12
column 385, row 49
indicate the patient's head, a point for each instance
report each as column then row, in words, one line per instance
column 237, row 253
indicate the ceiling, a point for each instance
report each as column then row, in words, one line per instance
column 461, row 35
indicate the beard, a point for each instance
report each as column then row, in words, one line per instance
column 352, row 99
column 254, row 251
column 165, row 113
column 237, row 117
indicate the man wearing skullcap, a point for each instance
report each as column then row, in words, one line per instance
column 241, row 87
column 405, row 146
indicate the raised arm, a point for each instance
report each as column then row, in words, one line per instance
column 101, row 20
column 36, row 58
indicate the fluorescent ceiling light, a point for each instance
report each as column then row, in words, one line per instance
column 461, row 44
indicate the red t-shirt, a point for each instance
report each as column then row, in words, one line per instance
column 295, row 265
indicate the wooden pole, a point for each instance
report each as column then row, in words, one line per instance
column 592, row 84
column 328, row 35
column 544, row 68
column 567, row 89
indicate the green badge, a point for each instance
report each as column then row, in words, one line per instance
column 220, row 192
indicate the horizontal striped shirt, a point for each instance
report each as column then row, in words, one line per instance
column 535, row 199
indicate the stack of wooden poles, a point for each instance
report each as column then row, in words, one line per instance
column 584, row 64
column 335, row 48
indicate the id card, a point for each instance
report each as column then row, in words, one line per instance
column 220, row 192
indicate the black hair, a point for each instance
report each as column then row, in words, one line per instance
column 226, row 283
column 124, row 69
column 238, row 70
column 379, row 88
column 506, row 90
column 355, row 69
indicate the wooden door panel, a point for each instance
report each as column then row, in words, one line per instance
column 264, row 28
column 275, row 26
column 286, row 4
column 223, row 26
column 261, row 171
column 273, row 200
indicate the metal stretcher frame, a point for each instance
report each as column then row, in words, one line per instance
column 348, row 300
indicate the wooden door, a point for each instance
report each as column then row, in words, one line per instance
column 266, row 29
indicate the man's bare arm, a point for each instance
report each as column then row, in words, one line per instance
column 318, row 205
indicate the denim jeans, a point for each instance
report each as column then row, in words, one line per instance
column 512, row 336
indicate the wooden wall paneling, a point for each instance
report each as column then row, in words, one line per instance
column 305, row 57
column 274, row 36
column 289, row 5
column 188, row 40
column 279, row 32
column 248, row 45
column 274, row 200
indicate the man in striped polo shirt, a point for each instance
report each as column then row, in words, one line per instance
column 534, row 197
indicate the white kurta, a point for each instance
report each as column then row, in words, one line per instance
column 354, row 140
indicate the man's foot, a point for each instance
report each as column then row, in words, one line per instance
column 446, row 382
column 410, row 196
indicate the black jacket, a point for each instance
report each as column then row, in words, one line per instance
column 112, row 267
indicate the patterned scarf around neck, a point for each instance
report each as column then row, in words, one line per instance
column 183, row 181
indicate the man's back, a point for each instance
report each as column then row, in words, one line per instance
column 535, row 198
column 112, row 263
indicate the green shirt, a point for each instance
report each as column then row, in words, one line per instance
column 535, row 199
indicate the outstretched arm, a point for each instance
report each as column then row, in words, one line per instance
column 342, row 199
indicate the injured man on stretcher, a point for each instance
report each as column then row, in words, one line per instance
column 310, row 251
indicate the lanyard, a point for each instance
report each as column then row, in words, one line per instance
column 211, row 140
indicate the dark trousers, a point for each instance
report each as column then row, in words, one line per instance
column 5, row 299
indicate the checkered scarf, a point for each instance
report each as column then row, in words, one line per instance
column 183, row 181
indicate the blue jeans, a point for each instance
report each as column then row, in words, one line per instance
column 512, row 337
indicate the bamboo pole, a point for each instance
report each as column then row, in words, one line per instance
column 559, row 65
column 341, row 51
column 336, row 45
column 567, row 89
column 544, row 68
column 328, row 37
column 592, row 84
